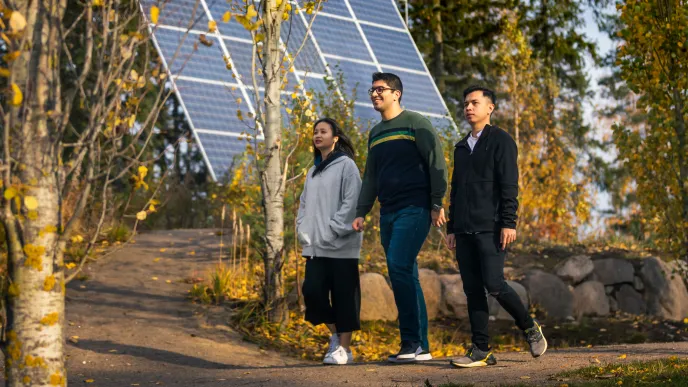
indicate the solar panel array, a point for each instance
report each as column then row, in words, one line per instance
column 354, row 37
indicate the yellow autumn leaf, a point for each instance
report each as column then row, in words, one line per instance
column 11, row 56
column 70, row 265
column 227, row 17
column 154, row 14
column 30, row 202
column 10, row 193
column 5, row 73
column 17, row 22
column 151, row 208
column 17, row 96
column 141, row 215
column 212, row 26
column 154, row 278
column 622, row 356
column 77, row 239
column 251, row 12
column 168, row 281
column 685, row 320
column 89, row 381
column 143, row 171
column 163, row 250
column 260, row 37
column 156, row 260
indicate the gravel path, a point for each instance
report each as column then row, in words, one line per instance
column 131, row 327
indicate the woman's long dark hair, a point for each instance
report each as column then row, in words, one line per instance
column 343, row 145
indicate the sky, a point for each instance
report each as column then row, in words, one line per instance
column 601, row 200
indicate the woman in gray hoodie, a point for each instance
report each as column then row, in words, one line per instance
column 331, row 289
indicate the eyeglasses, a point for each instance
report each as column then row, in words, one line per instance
column 379, row 90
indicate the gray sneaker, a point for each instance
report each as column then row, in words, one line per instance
column 536, row 340
column 474, row 358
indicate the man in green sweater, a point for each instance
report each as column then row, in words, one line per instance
column 406, row 172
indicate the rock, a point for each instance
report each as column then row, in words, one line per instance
column 613, row 305
column 575, row 269
column 550, row 292
column 432, row 291
column 608, row 289
column 377, row 299
column 453, row 302
column 589, row 298
column 630, row 301
column 665, row 293
column 638, row 284
column 500, row 313
column 612, row 271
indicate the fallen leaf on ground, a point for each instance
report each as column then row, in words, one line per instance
column 154, row 278
column 168, row 281
column 113, row 351
column 156, row 260
column 89, row 381
column 525, row 377
column 605, row 376
column 163, row 250
column 74, row 339
column 622, row 356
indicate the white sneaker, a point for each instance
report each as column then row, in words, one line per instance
column 334, row 343
column 339, row 356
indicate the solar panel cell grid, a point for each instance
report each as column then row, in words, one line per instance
column 179, row 13
column 393, row 48
column 186, row 56
column 212, row 106
column 340, row 37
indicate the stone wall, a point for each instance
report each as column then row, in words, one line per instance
column 578, row 286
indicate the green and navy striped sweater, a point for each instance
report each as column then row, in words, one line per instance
column 405, row 165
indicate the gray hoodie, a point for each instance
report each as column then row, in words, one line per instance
column 327, row 210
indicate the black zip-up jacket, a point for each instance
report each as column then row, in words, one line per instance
column 484, row 184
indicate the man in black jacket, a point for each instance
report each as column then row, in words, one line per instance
column 482, row 223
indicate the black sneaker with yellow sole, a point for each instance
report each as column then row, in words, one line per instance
column 474, row 358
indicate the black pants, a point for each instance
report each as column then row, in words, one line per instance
column 332, row 293
column 481, row 263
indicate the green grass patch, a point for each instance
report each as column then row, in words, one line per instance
column 667, row 372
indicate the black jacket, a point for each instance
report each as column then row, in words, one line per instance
column 484, row 184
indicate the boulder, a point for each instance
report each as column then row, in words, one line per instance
column 638, row 284
column 612, row 271
column 630, row 301
column 453, row 302
column 500, row 313
column 665, row 291
column 432, row 291
column 377, row 299
column 613, row 305
column 589, row 298
column 575, row 269
column 550, row 292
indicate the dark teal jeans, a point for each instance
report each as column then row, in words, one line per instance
column 403, row 233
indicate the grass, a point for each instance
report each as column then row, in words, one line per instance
column 665, row 372
column 668, row 372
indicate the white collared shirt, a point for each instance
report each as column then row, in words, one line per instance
column 473, row 140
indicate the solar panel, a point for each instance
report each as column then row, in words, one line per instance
column 354, row 37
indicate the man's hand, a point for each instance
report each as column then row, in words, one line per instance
column 438, row 219
column 507, row 237
column 451, row 241
column 358, row 224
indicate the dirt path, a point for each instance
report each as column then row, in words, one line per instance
column 134, row 330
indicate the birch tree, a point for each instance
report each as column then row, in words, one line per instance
column 47, row 154
column 271, row 62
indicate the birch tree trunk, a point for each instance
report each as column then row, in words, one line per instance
column 272, row 185
column 34, row 346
